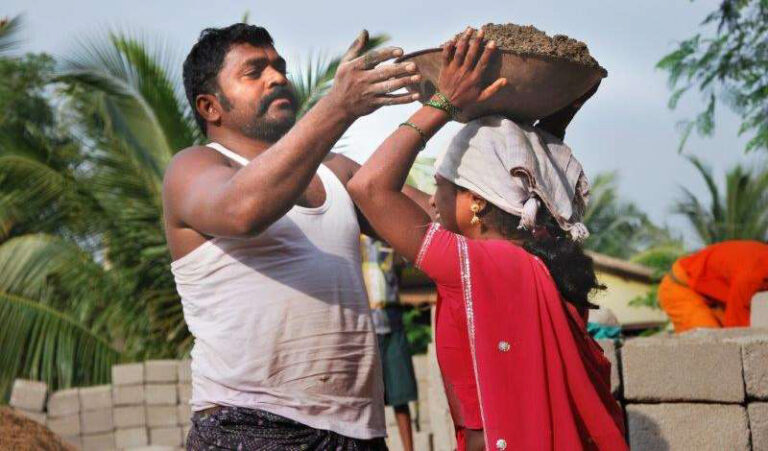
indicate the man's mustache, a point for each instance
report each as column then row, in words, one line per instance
column 279, row 92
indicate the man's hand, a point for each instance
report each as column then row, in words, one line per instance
column 464, row 66
column 362, row 86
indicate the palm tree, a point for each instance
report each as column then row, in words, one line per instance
column 741, row 212
column 84, row 267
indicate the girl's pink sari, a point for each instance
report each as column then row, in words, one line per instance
column 538, row 380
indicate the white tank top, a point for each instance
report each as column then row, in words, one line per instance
column 281, row 320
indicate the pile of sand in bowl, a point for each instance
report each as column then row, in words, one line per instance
column 529, row 40
column 19, row 433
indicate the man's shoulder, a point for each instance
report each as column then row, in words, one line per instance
column 193, row 158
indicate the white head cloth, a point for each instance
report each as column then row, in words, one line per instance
column 518, row 168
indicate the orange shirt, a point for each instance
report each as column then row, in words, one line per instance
column 730, row 272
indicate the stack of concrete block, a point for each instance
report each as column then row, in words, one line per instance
column 28, row 397
column 64, row 415
column 161, row 379
column 702, row 390
column 96, row 425
column 129, row 413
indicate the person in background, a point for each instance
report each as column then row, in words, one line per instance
column 380, row 271
column 603, row 324
column 714, row 286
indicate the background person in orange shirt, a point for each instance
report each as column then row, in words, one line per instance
column 714, row 286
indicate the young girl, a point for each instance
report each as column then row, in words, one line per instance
column 520, row 371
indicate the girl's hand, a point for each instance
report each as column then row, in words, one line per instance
column 464, row 64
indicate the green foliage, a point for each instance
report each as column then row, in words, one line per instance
column 741, row 212
column 419, row 336
column 9, row 29
column 618, row 228
column 728, row 66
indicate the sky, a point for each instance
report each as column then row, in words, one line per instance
column 626, row 127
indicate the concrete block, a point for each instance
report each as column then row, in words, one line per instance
column 165, row 436
column 160, row 394
column 129, row 438
column 184, row 414
column 673, row 369
column 184, row 392
column 96, row 421
column 96, row 398
column 64, row 402
column 29, row 395
column 185, row 371
column 162, row 416
column 128, row 395
column 758, row 425
column 161, row 371
column 128, row 374
column 74, row 440
column 129, row 417
column 439, row 412
column 611, row 352
column 65, row 426
column 99, row 442
column 754, row 354
column 37, row 417
column 759, row 310
column 185, row 433
column 687, row 426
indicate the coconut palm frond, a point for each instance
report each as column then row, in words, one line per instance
column 9, row 33
column 41, row 343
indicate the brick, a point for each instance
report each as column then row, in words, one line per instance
column 759, row 310
column 184, row 392
column 165, row 436
column 128, row 395
column 687, row 426
column 161, row 371
column 29, row 395
column 758, row 425
column 754, row 355
column 129, row 438
column 185, row 371
column 74, row 440
column 96, row 398
column 129, row 417
column 98, row 442
column 96, row 421
column 611, row 352
column 65, row 426
column 184, row 414
column 673, row 369
column 160, row 394
column 37, row 417
column 185, row 433
column 128, row 374
column 64, row 402
column 162, row 416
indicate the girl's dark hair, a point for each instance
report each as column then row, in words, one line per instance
column 570, row 267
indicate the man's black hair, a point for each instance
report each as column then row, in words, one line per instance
column 204, row 61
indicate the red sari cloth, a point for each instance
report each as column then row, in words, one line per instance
column 516, row 359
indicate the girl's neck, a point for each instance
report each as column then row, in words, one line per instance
column 485, row 233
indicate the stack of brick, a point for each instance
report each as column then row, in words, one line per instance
column 129, row 413
column 703, row 390
column 64, row 415
column 162, row 402
column 28, row 398
column 184, row 391
column 97, row 429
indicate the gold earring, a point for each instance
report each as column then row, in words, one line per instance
column 475, row 219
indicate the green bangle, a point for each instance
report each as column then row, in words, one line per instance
column 422, row 135
column 441, row 102
column 440, row 106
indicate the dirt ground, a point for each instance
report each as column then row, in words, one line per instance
column 19, row 433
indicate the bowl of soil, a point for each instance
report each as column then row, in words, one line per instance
column 544, row 74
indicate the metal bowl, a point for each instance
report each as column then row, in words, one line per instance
column 537, row 85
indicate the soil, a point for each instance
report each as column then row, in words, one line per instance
column 529, row 40
column 19, row 433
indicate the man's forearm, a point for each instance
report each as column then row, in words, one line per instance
column 271, row 183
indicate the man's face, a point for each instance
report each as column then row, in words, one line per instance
column 255, row 94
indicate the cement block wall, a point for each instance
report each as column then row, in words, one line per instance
column 703, row 390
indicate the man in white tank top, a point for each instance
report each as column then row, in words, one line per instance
column 264, row 240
